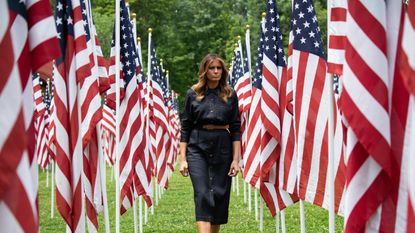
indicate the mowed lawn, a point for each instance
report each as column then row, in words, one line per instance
column 175, row 212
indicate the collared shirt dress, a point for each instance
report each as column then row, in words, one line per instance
column 209, row 152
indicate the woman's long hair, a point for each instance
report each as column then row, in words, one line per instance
column 201, row 86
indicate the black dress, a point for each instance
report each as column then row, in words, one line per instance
column 209, row 152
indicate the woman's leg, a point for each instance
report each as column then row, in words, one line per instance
column 214, row 228
column 204, row 227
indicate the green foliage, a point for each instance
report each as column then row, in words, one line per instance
column 175, row 212
column 184, row 31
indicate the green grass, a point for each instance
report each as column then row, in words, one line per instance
column 175, row 212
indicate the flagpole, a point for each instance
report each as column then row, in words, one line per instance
column 148, row 107
column 302, row 217
column 47, row 175
column 135, row 213
column 277, row 223
column 140, row 213
column 261, row 215
column 249, row 197
column 134, row 17
column 248, row 46
column 117, row 116
column 256, row 203
column 329, row 90
column 282, row 221
column 52, row 185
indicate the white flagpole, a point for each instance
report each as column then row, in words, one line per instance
column 52, row 189
column 261, row 215
column 248, row 47
column 117, row 116
column 146, row 214
column 134, row 17
column 47, row 175
column 244, row 190
column 330, row 171
column 249, row 197
column 101, row 164
column 302, row 217
column 283, row 221
column 140, row 213
column 148, row 105
column 256, row 204
column 233, row 184
column 277, row 223
column 135, row 214
column 139, row 49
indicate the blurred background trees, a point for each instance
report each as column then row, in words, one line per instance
column 184, row 31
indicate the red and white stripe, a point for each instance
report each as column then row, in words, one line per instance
column 40, row 106
column 252, row 157
column 366, row 110
column 108, row 134
column 288, row 156
column 270, row 114
column 337, row 36
column 275, row 198
column 42, row 134
column 407, row 68
column 26, row 45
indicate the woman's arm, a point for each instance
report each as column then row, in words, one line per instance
column 184, row 170
column 236, row 149
column 235, row 130
column 186, row 128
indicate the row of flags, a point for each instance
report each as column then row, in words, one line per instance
column 285, row 126
column 62, row 119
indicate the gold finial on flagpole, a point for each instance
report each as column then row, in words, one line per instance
column 150, row 30
column 247, row 27
column 134, row 15
column 264, row 14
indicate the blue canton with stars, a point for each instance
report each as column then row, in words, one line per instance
column 154, row 71
column 257, row 82
column 237, row 71
column 164, row 87
column 64, row 25
column 246, row 65
column 305, row 28
column 273, row 37
column 127, row 46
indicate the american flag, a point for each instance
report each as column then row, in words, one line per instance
column 368, row 156
column 310, row 106
column 246, row 87
column 91, row 114
column 41, row 127
column 336, row 36
column 108, row 134
column 273, row 69
column 160, row 119
column 131, row 125
column 24, row 50
column 142, row 171
column 241, row 79
column 77, row 108
column 252, row 154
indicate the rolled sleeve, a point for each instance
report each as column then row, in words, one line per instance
column 235, row 120
column 187, row 119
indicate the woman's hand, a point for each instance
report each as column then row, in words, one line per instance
column 233, row 171
column 184, row 169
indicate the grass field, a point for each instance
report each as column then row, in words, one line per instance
column 175, row 212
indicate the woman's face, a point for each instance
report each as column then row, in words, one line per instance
column 214, row 72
